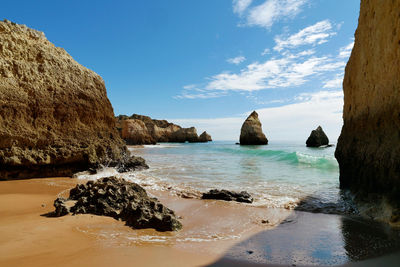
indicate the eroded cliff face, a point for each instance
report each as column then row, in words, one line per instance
column 55, row 117
column 368, row 149
column 141, row 130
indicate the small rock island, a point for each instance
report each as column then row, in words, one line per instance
column 317, row 138
column 251, row 132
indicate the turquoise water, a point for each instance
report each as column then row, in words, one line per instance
column 277, row 175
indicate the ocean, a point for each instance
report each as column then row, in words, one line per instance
column 278, row 175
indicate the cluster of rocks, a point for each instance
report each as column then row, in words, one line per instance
column 55, row 117
column 119, row 199
column 142, row 130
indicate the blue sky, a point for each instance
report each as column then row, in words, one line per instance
column 209, row 63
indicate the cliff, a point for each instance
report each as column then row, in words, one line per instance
column 140, row 130
column 251, row 132
column 368, row 149
column 55, row 117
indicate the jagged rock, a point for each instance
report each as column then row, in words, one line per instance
column 119, row 199
column 251, row 132
column 368, row 149
column 205, row 137
column 55, row 117
column 317, row 138
column 132, row 164
column 140, row 130
column 228, row 196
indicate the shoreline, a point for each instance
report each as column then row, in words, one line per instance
column 215, row 233
column 27, row 238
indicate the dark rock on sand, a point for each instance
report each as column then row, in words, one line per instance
column 205, row 137
column 228, row 196
column 368, row 149
column 55, row 117
column 119, row 199
column 132, row 164
column 317, row 138
column 251, row 132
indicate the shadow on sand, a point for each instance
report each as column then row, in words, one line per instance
column 317, row 239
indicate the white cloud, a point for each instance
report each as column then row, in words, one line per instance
column 239, row 6
column 312, row 35
column 346, row 51
column 236, row 60
column 336, row 82
column 271, row 11
column 266, row 51
column 287, row 122
column 286, row 71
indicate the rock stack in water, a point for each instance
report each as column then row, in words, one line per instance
column 317, row 138
column 205, row 137
column 368, row 149
column 119, row 199
column 55, row 117
column 251, row 132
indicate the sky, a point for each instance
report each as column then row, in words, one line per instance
column 210, row 63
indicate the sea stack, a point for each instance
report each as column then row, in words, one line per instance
column 251, row 132
column 205, row 137
column 317, row 138
column 368, row 149
column 55, row 117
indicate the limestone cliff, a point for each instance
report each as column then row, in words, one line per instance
column 251, row 132
column 368, row 149
column 205, row 137
column 141, row 130
column 55, row 117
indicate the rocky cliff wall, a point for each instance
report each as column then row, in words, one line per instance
column 368, row 149
column 55, row 117
column 141, row 130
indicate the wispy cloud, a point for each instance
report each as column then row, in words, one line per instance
column 239, row 6
column 312, row 35
column 336, row 82
column 346, row 51
column 287, row 122
column 236, row 60
column 271, row 11
column 289, row 70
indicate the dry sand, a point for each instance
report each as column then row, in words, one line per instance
column 29, row 239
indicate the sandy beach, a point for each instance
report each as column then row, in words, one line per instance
column 30, row 239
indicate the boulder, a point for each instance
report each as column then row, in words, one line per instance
column 317, row 138
column 368, row 149
column 228, row 196
column 251, row 132
column 119, row 199
column 55, row 117
column 205, row 137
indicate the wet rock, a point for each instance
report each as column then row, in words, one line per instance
column 317, row 138
column 205, row 137
column 132, row 164
column 228, row 196
column 119, row 199
column 251, row 131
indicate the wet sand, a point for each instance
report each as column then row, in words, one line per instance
column 29, row 239
column 215, row 233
